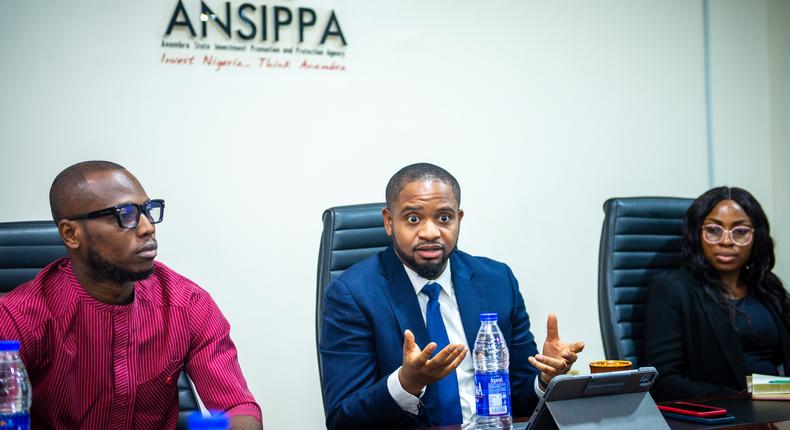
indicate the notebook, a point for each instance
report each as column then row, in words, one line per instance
column 770, row 387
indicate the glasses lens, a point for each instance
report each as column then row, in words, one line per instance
column 741, row 235
column 129, row 215
column 155, row 210
column 712, row 233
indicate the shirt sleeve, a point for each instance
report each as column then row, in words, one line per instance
column 538, row 391
column 15, row 329
column 8, row 327
column 212, row 362
column 403, row 398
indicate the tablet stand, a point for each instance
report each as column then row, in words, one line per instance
column 620, row 411
column 612, row 400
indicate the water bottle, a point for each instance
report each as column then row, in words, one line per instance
column 214, row 421
column 492, row 376
column 14, row 388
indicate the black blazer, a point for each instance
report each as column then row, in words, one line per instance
column 691, row 342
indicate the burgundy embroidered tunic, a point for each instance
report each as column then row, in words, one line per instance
column 98, row 366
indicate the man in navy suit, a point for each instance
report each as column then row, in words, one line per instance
column 423, row 291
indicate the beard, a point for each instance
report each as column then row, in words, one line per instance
column 425, row 270
column 102, row 269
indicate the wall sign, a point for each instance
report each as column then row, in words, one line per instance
column 239, row 35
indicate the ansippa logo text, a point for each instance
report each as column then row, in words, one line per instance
column 257, row 23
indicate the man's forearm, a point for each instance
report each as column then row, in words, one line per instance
column 245, row 422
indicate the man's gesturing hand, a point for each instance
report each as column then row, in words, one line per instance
column 419, row 369
column 558, row 356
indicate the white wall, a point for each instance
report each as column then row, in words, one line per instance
column 779, row 71
column 740, row 97
column 750, row 89
column 542, row 110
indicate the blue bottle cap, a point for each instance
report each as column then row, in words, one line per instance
column 488, row 317
column 10, row 345
column 215, row 421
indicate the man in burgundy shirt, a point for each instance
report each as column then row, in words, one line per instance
column 106, row 331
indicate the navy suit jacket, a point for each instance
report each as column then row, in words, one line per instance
column 365, row 313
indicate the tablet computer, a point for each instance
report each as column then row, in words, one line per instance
column 571, row 387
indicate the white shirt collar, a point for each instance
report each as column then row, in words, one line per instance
column 445, row 279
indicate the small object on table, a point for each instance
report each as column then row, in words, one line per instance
column 717, row 420
column 214, row 421
column 770, row 387
column 602, row 366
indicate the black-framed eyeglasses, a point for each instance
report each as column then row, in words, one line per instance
column 128, row 214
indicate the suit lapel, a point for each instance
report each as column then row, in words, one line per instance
column 728, row 339
column 470, row 296
column 400, row 293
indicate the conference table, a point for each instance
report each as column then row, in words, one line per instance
column 749, row 415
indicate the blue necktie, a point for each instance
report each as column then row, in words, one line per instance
column 448, row 408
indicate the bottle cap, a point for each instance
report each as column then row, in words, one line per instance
column 10, row 345
column 215, row 421
column 488, row 317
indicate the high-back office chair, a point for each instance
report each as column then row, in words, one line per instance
column 25, row 248
column 351, row 234
column 641, row 237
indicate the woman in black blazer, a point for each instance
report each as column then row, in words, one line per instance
column 724, row 315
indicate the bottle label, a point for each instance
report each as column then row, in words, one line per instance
column 20, row 421
column 492, row 393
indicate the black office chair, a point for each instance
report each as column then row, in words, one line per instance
column 351, row 234
column 641, row 237
column 25, row 248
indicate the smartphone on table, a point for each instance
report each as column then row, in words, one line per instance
column 696, row 412
column 692, row 409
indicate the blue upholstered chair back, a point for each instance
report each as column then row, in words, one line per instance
column 351, row 234
column 641, row 237
column 26, row 248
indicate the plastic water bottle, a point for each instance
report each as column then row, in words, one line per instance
column 14, row 388
column 492, row 376
column 214, row 421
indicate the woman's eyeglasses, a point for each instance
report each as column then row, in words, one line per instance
column 740, row 235
column 128, row 214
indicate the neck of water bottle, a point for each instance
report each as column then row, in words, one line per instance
column 9, row 355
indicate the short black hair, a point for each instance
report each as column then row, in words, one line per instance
column 418, row 172
column 68, row 187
